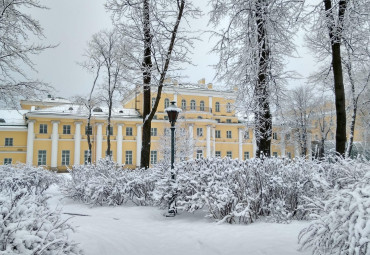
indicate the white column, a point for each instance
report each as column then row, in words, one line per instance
column 296, row 149
column 208, row 141
column 214, row 142
column 138, row 144
column 119, row 143
column 99, row 140
column 77, row 143
column 191, row 140
column 54, row 144
column 309, row 146
column 240, row 144
column 30, row 138
column 175, row 98
column 210, row 102
column 282, row 141
column 254, row 143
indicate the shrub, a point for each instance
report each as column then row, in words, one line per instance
column 344, row 224
column 107, row 184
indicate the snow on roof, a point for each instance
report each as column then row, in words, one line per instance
column 58, row 100
column 12, row 117
column 73, row 109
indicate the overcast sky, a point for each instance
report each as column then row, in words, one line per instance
column 71, row 23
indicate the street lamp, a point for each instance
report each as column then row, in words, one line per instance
column 173, row 113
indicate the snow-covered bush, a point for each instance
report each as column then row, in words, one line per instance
column 20, row 176
column 344, row 227
column 28, row 226
column 105, row 183
column 243, row 191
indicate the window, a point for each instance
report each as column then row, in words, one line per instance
column 65, row 157
column 43, row 129
column 166, row 117
column 153, row 101
column 86, row 157
column 199, row 131
column 199, row 117
column 8, row 141
column 88, row 130
column 128, row 158
column 218, row 120
column 274, row 154
column 110, row 130
column 287, row 136
column 153, row 131
column 217, row 107
column 166, row 103
column 246, row 135
column 228, row 120
column 41, row 158
column 246, row 155
column 199, row 154
column 289, row 155
column 128, row 131
column 218, row 133
column 228, row 107
column 229, row 154
column 201, row 106
column 218, row 153
column 66, row 129
column 153, row 157
column 192, row 105
column 8, row 161
column 228, row 134
column 183, row 104
column 274, row 136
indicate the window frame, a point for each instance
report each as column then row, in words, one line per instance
column 153, row 157
column 128, row 158
column 110, row 130
column 66, row 129
column 274, row 136
column 183, row 104
column 229, row 154
column 41, row 157
column 199, row 132
column 217, row 133
column 193, row 105
column 217, row 107
column 217, row 153
column 229, row 134
column 88, row 131
column 9, row 141
column 8, row 161
column 201, row 106
column 228, row 107
column 66, row 158
column 43, row 128
column 199, row 154
column 246, row 155
column 153, row 131
column 129, row 131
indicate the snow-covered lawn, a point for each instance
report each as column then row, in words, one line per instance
column 143, row 230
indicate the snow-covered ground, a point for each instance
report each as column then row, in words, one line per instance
column 144, row 230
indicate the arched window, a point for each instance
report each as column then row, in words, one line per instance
column 201, row 105
column 153, row 101
column 183, row 104
column 166, row 103
column 217, row 105
column 192, row 105
column 228, row 107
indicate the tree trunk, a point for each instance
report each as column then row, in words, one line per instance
column 340, row 103
column 147, row 77
column 352, row 131
column 263, row 119
column 109, row 125
column 89, row 138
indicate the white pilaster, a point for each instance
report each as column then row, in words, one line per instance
column 99, row 140
column 30, row 138
column 54, row 144
column 119, row 143
column 208, row 141
column 214, row 142
column 138, row 144
column 240, row 144
column 210, row 102
column 77, row 143
column 296, row 148
column 254, row 143
column 175, row 98
column 191, row 140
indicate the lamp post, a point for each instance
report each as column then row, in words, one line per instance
column 173, row 113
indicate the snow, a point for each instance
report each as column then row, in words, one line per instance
column 13, row 117
column 144, row 230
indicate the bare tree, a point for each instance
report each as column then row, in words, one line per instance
column 160, row 44
column 15, row 50
column 299, row 112
column 334, row 23
column 106, row 54
column 251, row 48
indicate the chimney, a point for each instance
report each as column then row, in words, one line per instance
column 33, row 108
column 209, row 85
column 202, row 81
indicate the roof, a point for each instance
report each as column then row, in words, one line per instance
column 12, row 117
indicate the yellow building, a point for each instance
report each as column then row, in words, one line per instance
column 52, row 132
